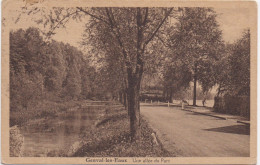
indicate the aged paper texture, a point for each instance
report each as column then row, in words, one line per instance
column 129, row 82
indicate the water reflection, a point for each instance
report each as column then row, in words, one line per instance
column 51, row 137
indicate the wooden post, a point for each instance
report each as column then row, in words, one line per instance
column 182, row 105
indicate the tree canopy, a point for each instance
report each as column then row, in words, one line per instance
column 233, row 71
column 44, row 70
column 196, row 44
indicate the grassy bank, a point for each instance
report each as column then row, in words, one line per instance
column 110, row 138
column 107, row 136
column 43, row 109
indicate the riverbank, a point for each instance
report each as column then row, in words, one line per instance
column 84, row 128
column 111, row 138
column 42, row 110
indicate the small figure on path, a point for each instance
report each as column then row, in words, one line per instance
column 204, row 102
column 185, row 101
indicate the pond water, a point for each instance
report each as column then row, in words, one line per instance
column 50, row 137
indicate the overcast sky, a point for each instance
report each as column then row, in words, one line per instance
column 232, row 23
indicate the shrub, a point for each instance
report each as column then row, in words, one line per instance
column 236, row 105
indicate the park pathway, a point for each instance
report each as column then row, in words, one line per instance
column 194, row 135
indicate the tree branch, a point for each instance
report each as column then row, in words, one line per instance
column 159, row 26
column 162, row 41
column 109, row 18
column 92, row 15
column 59, row 23
column 145, row 17
column 139, row 65
column 117, row 34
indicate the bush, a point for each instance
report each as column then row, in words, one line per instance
column 236, row 105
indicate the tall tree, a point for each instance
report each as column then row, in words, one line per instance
column 233, row 71
column 197, row 40
column 129, row 30
column 177, row 77
column 44, row 70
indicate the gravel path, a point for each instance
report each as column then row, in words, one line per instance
column 195, row 135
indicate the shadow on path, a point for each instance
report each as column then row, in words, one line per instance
column 199, row 114
column 234, row 129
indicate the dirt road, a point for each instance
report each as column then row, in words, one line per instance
column 197, row 135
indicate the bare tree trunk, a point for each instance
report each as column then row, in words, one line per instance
column 195, row 86
column 124, row 99
column 194, row 91
column 170, row 96
column 134, row 82
column 167, row 95
column 120, row 97
column 134, row 111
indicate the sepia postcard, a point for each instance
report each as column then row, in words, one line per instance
column 129, row 82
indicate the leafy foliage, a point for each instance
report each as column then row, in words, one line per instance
column 196, row 44
column 45, row 70
column 234, row 69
